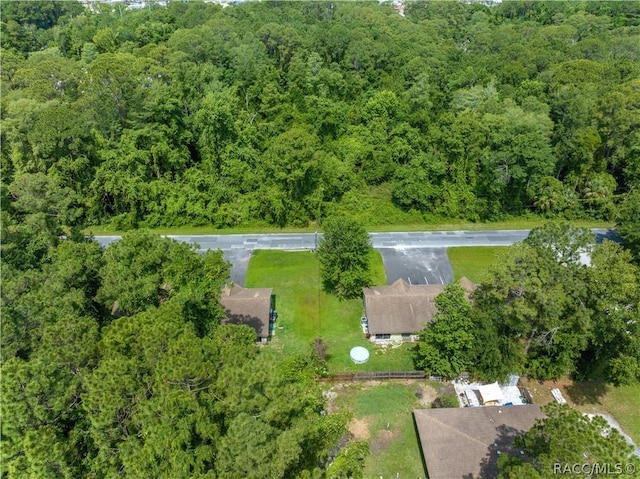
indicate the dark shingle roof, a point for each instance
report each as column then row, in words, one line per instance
column 250, row 306
column 464, row 443
column 401, row 307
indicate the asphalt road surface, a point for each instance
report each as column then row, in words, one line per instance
column 306, row 241
column 419, row 257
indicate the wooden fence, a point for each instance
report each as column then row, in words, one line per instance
column 380, row 375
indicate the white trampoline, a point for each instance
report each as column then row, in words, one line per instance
column 359, row 355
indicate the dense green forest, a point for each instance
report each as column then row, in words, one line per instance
column 114, row 364
column 284, row 113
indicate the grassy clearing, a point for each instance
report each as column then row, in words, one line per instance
column 383, row 416
column 473, row 261
column 595, row 397
column 444, row 225
column 620, row 402
column 306, row 312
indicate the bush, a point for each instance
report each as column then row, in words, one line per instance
column 446, row 400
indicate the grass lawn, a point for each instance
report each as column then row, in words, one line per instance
column 383, row 416
column 621, row 402
column 473, row 261
column 595, row 397
column 305, row 312
column 445, row 225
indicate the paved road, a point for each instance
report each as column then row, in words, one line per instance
column 418, row 257
column 304, row 241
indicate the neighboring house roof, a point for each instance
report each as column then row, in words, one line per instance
column 401, row 307
column 464, row 443
column 250, row 306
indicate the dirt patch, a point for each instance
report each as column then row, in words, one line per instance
column 426, row 395
column 575, row 393
column 382, row 440
column 540, row 392
column 359, row 428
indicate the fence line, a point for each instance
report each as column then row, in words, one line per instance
column 380, row 375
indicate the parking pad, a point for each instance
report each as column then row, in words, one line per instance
column 417, row 265
column 239, row 259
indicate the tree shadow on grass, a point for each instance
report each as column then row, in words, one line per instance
column 586, row 392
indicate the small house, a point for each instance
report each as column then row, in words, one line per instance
column 252, row 307
column 400, row 311
column 465, row 443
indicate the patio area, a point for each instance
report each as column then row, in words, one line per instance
column 471, row 394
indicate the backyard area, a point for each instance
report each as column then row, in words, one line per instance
column 382, row 415
column 588, row 396
column 306, row 312
column 595, row 397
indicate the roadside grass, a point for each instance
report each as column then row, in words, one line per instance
column 473, row 261
column 385, row 410
column 443, row 225
column 595, row 397
column 306, row 312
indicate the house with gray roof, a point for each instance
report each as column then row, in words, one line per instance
column 252, row 307
column 465, row 443
column 398, row 312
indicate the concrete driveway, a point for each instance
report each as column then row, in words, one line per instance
column 417, row 265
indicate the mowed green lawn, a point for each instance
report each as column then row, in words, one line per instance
column 382, row 223
column 473, row 261
column 383, row 414
column 306, row 312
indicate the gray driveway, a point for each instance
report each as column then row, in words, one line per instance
column 239, row 259
column 417, row 265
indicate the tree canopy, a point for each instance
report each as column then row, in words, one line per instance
column 445, row 346
column 569, row 442
column 344, row 253
column 543, row 311
column 629, row 224
column 114, row 362
column 283, row 113
column 153, row 387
